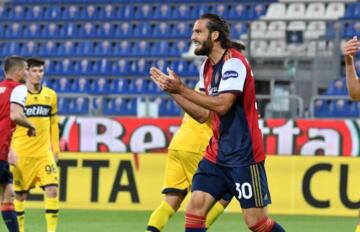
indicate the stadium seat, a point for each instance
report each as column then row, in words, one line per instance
column 87, row 30
column 182, row 11
column 321, row 108
column 124, row 49
column 238, row 11
column 315, row 11
column 144, row 12
column 143, row 30
column 63, row 106
column 315, row 29
column 220, row 9
column 258, row 29
column 180, row 30
column 339, row 108
column 277, row 48
column 162, row 12
column 335, row 10
column 71, row 12
column 141, row 68
column 162, row 30
column 354, row 109
column 126, row 11
column 80, row 106
column 238, row 30
column 256, row 11
column 124, row 31
column 66, row 48
column 80, row 85
column 11, row 48
column 90, row 13
column 295, row 11
column 106, row 30
column 105, row 48
column 28, row 48
column 3, row 12
column 62, row 85
column 121, row 68
column 52, row 12
column 337, row 87
column 97, row 105
column 34, row 12
column 178, row 48
column 17, row 13
column 108, row 12
column 167, row 107
column 275, row 11
column 99, row 86
column 160, row 48
column 276, row 30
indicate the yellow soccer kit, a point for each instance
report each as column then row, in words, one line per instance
column 36, row 162
column 185, row 152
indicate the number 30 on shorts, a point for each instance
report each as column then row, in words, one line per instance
column 244, row 190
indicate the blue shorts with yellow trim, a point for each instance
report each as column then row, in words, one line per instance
column 248, row 184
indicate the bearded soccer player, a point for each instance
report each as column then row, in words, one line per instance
column 36, row 157
column 350, row 49
column 234, row 160
column 12, row 102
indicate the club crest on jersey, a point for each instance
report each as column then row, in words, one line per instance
column 230, row 74
column 37, row 111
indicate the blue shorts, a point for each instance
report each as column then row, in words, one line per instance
column 248, row 184
column 6, row 176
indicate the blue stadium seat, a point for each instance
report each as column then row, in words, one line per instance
column 99, row 86
column 86, row 48
column 256, row 11
column 162, row 30
column 48, row 49
column 142, row 49
column 119, row 85
column 90, row 12
column 105, row 48
column 87, row 30
column 109, row 12
column 144, row 12
column 350, row 11
column 106, row 30
column 13, row 30
column 352, row 30
column 321, row 108
column 35, row 12
column 53, row 12
column 220, row 9
column 337, row 87
column 354, row 109
column 183, row 11
column 63, row 106
column 125, row 30
column 339, row 108
column 201, row 9
column 143, row 30
column 98, row 105
column 62, row 85
column 80, row 85
column 237, row 30
column 127, row 11
column 124, row 49
column 71, row 12
column 160, row 48
column 178, row 48
column 4, row 13
column 11, row 48
column 32, row 30
column 66, row 48
column 50, row 31
column 238, row 11
column 162, row 12
column 167, row 107
column 29, row 48
column 80, row 106
column 17, row 12
column 181, row 30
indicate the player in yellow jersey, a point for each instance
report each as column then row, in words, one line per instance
column 184, row 154
column 350, row 49
column 36, row 157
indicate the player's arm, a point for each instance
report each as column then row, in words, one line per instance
column 54, row 130
column 17, row 104
column 350, row 49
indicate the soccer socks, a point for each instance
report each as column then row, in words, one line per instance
column 51, row 213
column 267, row 225
column 357, row 228
column 160, row 217
column 9, row 216
column 194, row 223
column 214, row 213
column 20, row 211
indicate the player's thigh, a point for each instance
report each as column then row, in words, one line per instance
column 175, row 180
column 190, row 162
column 47, row 171
column 249, row 186
column 6, row 179
column 24, row 173
column 209, row 178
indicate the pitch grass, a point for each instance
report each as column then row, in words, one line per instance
column 135, row 221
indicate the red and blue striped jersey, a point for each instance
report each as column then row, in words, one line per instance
column 237, row 139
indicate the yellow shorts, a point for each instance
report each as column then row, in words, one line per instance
column 179, row 171
column 29, row 171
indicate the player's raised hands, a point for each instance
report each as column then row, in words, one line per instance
column 170, row 83
column 351, row 47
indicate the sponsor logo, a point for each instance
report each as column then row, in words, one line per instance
column 2, row 89
column 37, row 110
column 230, row 74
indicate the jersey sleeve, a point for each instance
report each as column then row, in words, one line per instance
column 18, row 95
column 233, row 76
column 54, row 106
column 201, row 84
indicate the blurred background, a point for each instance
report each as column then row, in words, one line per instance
column 116, row 123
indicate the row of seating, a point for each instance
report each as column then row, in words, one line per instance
column 124, row 106
column 122, row 67
column 336, row 109
column 130, row 11
column 104, row 48
column 352, row 11
column 90, row 30
column 301, row 10
column 108, row 86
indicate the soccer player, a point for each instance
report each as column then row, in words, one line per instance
column 36, row 157
column 234, row 159
column 350, row 49
column 185, row 152
column 12, row 102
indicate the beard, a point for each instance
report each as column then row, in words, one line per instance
column 205, row 49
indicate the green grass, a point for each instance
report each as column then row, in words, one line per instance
column 133, row 221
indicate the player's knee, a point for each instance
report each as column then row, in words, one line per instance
column 254, row 217
column 51, row 192
column 20, row 196
column 196, row 205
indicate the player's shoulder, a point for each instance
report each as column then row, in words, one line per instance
column 49, row 90
column 18, row 87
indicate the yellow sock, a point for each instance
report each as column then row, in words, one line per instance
column 214, row 213
column 20, row 211
column 357, row 228
column 160, row 217
column 51, row 213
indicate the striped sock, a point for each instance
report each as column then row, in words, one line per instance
column 194, row 223
column 9, row 216
column 267, row 225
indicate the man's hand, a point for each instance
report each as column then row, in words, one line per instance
column 31, row 132
column 12, row 158
column 351, row 47
column 170, row 83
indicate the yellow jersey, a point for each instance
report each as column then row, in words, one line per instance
column 192, row 136
column 41, row 109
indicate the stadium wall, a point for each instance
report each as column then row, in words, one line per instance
column 299, row 185
column 281, row 136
